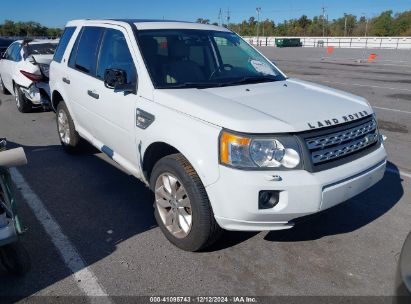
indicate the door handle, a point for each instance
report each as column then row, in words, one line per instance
column 66, row 80
column 92, row 94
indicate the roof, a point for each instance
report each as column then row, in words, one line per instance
column 144, row 24
column 38, row 41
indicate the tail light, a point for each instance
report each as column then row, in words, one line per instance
column 32, row 77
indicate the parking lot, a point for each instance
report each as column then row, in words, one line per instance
column 106, row 216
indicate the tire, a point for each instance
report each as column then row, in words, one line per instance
column 3, row 88
column 15, row 259
column 69, row 138
column 22, row 103
column 187, row 222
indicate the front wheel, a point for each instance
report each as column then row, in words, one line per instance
column 22, row 103
column 182, row 208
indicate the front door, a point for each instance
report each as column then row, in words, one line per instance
column 115, row 110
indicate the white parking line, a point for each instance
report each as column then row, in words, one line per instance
column 394, row 110
column 84, row 277
column 367, row 85
column 399, row 172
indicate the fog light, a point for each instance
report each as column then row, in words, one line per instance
column 268, row 199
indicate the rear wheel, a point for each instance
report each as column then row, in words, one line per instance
column 22, row 103
column 182, row 207
column 69, row 138
column 3, row 88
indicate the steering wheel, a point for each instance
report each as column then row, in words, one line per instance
column 221, row 68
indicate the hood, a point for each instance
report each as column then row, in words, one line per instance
column 283, row 106
column 43, row 59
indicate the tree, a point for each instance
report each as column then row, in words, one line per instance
column 203, row 21
column 382, row 25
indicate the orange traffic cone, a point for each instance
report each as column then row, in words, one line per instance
column 372, row 57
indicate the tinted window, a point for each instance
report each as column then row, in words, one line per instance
column 86, row 56
column 199, row 58
column 16, row 53
column 115, row 54
column 61, row 48
column 9, row 51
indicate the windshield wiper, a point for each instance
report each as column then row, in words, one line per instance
column 197, row 85
column 252, row 79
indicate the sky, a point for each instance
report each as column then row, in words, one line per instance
column 55, row 13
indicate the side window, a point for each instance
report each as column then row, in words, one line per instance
column 64, row 40
column 84, row 53
column 9, row 52
column 115, row 54
column 16, row 53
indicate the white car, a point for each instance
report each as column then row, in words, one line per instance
column 222, row 137
column 24, row 72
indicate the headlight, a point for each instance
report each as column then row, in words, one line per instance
column 249, row 152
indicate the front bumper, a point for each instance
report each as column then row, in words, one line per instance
column 234, row 197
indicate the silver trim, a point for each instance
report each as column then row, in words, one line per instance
column 342, row 136
column 342, row 150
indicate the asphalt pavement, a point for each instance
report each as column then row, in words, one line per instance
column 106, row 216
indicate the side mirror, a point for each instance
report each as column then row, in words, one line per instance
column 117, row 79
column 2, row 54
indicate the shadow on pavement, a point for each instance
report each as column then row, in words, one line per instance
column 346, row 217
column 95, row 203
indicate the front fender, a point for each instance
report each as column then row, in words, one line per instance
column 195, row 139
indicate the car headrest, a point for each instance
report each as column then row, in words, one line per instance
column 178, row 50
column 149, row 45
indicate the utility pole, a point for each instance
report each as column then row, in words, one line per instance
column 228, row 18
column 220, row 18
column 345, row 26
column 323, row 9
column 366, row 24
column 258, row 9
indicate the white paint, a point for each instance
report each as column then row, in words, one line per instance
column 399, row 172
column 83, row 276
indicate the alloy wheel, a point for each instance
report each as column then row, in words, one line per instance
column 173, row 205
column 17, row 97
column 63, row 127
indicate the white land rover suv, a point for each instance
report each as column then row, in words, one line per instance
column 222, row 137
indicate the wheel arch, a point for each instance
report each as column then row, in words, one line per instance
column 153, row 153
column 56, row 97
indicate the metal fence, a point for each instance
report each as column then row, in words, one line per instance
column 342, row 42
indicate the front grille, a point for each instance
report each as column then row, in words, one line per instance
column 339, row 144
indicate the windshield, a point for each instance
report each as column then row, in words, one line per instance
column 199, row 58
column 41, row 49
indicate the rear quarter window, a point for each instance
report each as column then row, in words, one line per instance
column 65, row 38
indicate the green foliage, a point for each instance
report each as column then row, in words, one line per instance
column 27, row 29
column 348, row 25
